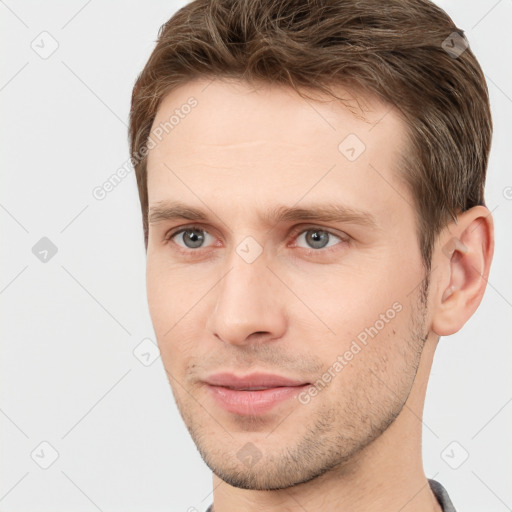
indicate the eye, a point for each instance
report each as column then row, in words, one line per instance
column 194, row 237
column 317, row 238
column 191, row 237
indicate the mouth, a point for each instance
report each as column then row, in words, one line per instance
column 253, row 394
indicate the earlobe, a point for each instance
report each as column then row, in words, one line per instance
column 464, row 254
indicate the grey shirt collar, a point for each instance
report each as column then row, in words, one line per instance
column 442, row 496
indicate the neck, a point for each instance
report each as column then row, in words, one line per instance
column 387, row 475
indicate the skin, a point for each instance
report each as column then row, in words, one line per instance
column 241, row 151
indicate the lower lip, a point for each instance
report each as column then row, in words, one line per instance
column 253, row 402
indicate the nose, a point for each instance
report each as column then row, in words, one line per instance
column 248, row 308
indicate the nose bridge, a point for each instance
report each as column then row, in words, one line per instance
column 246, row 301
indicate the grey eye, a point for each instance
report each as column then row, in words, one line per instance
column 192, row 238
column 317, row 238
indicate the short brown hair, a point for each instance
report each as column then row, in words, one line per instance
column 395, row 50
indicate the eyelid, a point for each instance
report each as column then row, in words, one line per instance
column 298, row 230
column 176, row 231
column 344, row 238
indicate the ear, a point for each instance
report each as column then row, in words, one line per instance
column 463, row 256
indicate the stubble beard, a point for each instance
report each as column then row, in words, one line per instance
column 329, row 444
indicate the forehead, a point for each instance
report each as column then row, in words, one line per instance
column 233, row 112
column 267, row 144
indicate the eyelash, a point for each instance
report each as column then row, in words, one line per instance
column 345, row 239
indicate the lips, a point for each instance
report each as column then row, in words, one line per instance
column 253, row 394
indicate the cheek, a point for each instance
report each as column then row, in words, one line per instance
column 373, row 368
column 175, row 298
column 344, row 300
column 361, row 317
column 170, row 290
column 160, row 301
column 165, row 300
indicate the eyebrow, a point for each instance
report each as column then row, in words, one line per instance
column 175, row 210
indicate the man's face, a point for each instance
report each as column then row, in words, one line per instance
column 331, row 303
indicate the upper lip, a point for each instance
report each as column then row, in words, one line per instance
column 254, row 380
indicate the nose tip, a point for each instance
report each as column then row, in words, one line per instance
column 247, row 308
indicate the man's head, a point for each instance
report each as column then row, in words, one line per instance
column 300, row 167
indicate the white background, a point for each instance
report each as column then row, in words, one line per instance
column 69, row 326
